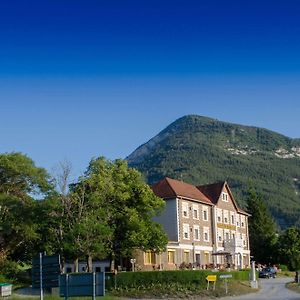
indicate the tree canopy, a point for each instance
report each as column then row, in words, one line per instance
column 108, row 212
column 19, row 180
column 289, row 248
column 262, row 229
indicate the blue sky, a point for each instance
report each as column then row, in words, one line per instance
column 80, row 79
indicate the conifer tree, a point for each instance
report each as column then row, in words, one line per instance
column 262, row 229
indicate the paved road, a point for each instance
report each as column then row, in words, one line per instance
column 271, row 289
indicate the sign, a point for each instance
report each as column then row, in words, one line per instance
column 82, row 284
column 211, row 278
column 47, row 268
column 5, row 289
column 225, row 276
column 226, row 226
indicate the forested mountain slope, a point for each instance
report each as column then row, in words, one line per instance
column 201, row 150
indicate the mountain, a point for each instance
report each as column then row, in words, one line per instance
column 201, row 150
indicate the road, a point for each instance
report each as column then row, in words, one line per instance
column 271, row 289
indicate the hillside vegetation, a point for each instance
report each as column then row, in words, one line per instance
column 201, row 150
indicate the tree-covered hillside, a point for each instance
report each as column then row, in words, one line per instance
column 200, row 150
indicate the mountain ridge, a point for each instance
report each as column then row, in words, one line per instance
column 202, row 150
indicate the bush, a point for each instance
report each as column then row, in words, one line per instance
column 181, row 284
column 12, row 271
column 283, row 268
column 178, row 277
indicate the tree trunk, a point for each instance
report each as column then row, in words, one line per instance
column 76, row 265
column 89, row 263
column 112, row 262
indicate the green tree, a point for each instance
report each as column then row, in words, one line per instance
column 126, row 204
column 262, row 229
column 289, row 248
column 19, row 180
column 20, row 177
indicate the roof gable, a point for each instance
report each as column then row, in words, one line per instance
column 214, row 191
column 171, row 188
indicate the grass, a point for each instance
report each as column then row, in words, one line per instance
column 162, row 291
column 293, row 286
column 50, row 297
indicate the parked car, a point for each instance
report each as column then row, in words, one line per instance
column 268, row 272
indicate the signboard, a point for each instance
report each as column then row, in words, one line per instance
column 211, row 278
column 82, row 284
column 225, row 276
column 48, row 270
column 5, row 289
column 226, row 226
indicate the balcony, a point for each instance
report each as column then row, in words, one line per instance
column 233, row 245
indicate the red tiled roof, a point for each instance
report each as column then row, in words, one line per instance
column 171, row 188
column 212, row 191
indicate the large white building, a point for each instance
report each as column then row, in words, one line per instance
column 205, row 228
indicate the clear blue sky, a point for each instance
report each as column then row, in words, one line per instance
column 80, row 79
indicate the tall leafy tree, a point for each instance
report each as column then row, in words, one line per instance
column 126, row 204
column 262, row 229
column 289, row 248
column 20, row 179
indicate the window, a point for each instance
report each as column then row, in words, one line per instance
column 244, row 240
column 206, row 234
column 205, row 213
column 225, row 216
column 225, row 197
column 185, row 210
column 196, row 233
column 227, row 236
column 232, row 219
column 219, row 215
column 220, row 235
column 150, row 257
column 186, row 256
column 242, row 221
column 171, row 256
column 195, row 211
column 186, row 231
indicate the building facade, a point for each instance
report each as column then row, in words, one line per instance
column 205, row 228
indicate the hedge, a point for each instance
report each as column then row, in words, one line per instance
column 181, row 277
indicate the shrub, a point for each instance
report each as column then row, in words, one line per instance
column 187, row 278
column 12, row 271
column 283, row 268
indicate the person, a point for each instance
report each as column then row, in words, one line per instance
column 297, row 277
